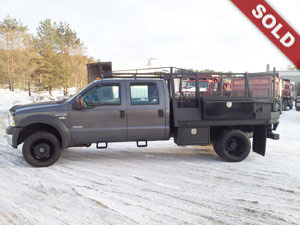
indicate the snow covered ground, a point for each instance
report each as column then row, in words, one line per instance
column 161, row 184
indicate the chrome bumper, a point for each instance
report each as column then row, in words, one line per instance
column 9, row 136
column 9, row 139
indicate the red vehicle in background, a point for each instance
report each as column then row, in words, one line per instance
column 261, row 86
column 207, row 86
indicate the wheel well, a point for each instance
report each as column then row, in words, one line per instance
column 32, row 128
column 215, row 132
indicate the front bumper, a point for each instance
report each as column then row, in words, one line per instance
column 9, row 139
column 12, row 134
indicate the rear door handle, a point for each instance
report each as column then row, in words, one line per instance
column 122, row 113
column 161, row 113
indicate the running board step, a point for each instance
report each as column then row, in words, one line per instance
column 101, row 145
column 143, row 144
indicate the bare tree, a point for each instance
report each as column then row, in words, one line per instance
column 12, row 35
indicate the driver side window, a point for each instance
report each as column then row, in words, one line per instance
column 102, row 95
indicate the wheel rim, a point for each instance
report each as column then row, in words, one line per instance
column 235, row 146
column 42, row 150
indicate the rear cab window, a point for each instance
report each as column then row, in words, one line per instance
column 144, row 94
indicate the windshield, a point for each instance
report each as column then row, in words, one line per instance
column 73, row 96
column 191, row 84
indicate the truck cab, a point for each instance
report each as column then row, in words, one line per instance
column 120, row 110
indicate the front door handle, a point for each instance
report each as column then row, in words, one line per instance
column 161, row 113
column 122, row 113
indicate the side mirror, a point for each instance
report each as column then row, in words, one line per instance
column 79, row 102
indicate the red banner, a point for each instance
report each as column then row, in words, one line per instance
column 273, row 26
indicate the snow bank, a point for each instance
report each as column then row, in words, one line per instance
column 9, row 98
column 161, row 184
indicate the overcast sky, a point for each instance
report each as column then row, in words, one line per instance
column 210, row 34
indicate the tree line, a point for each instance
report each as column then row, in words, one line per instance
column 53, row 57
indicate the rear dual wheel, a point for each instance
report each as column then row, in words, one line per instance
column 233, row 146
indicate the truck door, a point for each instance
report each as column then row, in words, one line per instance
column 103, row 117
column 146, row 112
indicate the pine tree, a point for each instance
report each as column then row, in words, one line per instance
column 68, row 45
column 45, row 44
column 53, row 58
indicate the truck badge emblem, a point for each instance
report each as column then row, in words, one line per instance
column 61, row 116
column 194, row 131
column 229, row 104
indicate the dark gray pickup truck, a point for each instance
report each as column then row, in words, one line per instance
column 144, row 106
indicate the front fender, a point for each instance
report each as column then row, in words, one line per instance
column 52, row 121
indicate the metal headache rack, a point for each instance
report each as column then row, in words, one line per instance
column 188, row 88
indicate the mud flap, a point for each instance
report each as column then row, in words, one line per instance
column 260, row 139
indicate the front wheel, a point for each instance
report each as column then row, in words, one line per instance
column 233, row 146
column 41, row 149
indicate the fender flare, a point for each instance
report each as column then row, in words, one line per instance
column 52, row 121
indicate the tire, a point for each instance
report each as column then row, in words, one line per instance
column 233, row 146
column 298, row 108
column 41, row 149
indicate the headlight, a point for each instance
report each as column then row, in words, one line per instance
column 11, row 120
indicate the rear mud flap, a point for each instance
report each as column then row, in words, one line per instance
column 260, row 139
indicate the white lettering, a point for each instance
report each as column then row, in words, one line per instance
column 287, row 40
column 276, row 29
column 266, row 18
column 269, row 22
column 259, row 12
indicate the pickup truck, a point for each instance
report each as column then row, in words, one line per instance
column 144, row 107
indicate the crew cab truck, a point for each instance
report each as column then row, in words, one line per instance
column 142, row 106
